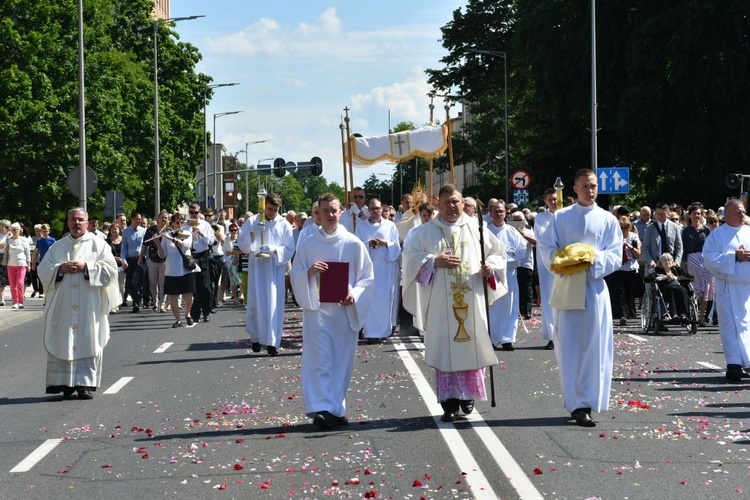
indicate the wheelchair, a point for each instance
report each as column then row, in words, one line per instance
column 655, row 316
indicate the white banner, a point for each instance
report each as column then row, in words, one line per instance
column 424, row 142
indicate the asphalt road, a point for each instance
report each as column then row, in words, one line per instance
column 203, row 417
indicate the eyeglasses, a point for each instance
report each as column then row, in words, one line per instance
column 193, row 212
column 358, row 196
column 675, row 219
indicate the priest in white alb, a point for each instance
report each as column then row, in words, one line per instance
column 330, row 329
column 443, row 289
column 267, row 239
column 504, row 313
column 381, row 238
column 79, row 274
column 726, row 254
column 546, row 278
column 583, row 332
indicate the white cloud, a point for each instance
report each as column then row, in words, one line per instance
column 407, row 101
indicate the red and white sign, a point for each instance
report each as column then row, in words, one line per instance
column 520, row 179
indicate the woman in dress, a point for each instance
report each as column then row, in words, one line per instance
column 115, row 243
column 693, row 237
column 17, row 259
column 178, row 280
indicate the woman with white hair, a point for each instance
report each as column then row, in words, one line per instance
column 668, row 277
column 17, row 258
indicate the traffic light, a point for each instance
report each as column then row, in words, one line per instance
column 316, row 166
column 279, row 167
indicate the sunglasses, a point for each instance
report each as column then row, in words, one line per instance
column 191, row 212
column 358, row 196
column 232, row 230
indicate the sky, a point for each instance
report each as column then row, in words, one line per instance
column 301, row 62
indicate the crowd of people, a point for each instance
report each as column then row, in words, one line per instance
column 469, row 279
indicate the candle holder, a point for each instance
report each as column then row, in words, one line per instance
column 263, row 251
column 559, row 192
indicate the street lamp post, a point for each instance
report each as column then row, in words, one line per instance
column 205, row 141
column 157, row 159
column 218, row 115
column 504, row 55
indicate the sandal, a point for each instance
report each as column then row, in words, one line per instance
column 177, row 324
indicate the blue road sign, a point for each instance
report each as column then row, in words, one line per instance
column 521, row 196
column 613, row 180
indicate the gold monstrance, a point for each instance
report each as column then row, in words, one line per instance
column 263, row 251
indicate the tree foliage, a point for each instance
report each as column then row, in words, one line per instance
column 39, row 106
column 671, row 80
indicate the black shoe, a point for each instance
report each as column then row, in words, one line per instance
column 33, row 294
column 448, row 416
column 583, row 418
column 508, row 346
column 373, row 341
column 207, row 318
column 333, row 420
column 467, row 406
column 623, row 321
column 68, row 392
column 735, row 373
column 177, row 324
column 255, row 346
column 550, row 345
column 136, row 309
column 272, row 351
column 190, row 322
column 320, row 421
column 84, row 394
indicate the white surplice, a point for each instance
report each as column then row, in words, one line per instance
column 383, row 313
column 504, row 313
column 436, row 306
column 732, row 290
column 546, row 278
column 330, row 330
column 76, row 321
column 583, row 338
column 266, row 292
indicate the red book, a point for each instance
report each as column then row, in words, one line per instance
column 334, row 283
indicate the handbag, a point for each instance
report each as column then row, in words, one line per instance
column 187, row 260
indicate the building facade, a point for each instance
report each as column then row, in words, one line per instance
column 161, row 9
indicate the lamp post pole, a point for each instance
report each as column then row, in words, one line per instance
column 157, row 159
column 205, row 142
column 504, row 55
column 218, row 115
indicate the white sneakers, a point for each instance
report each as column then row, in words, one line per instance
column 17, row 306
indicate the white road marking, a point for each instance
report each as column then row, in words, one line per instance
column 163, row 347
column 35, row 456
column 637, row 337
column 515, row 474
column 710, row 366
column 115, row 388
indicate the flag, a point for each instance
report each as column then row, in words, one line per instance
column 424, row 142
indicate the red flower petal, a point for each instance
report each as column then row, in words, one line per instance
column 538, row 472
column 223, row 486
column 371, row 494
column 417, row 483
column 239, row 441
column 368, row 472
column 107, row 466
column 238, row 467
column 265, row 486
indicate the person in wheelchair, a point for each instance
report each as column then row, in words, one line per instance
column 672, row 281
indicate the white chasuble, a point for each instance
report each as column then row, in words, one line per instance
column 383, row 314
column 78, row 304
column 450, row 308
